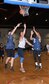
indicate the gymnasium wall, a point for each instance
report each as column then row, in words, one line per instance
column 4, row 31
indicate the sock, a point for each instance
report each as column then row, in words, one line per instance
column 36, row 63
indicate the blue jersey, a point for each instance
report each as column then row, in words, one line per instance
column 10, row 43
column 37, row 44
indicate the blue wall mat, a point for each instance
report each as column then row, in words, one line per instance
column 38, row 5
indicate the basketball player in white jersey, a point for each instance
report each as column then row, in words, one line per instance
column 21, row 46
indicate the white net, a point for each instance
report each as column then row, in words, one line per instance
column 24, row 10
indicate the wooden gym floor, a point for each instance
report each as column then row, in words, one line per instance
column 31, row 76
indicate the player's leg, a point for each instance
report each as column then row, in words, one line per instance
column 35, row 59
column 39, row 59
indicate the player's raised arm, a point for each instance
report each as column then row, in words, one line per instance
column 12, row 32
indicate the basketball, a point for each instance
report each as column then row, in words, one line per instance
column 22, row 12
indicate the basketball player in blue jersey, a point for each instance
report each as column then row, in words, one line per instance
column 10, row 47
column 36, row 38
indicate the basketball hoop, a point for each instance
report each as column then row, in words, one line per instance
column 24, row 10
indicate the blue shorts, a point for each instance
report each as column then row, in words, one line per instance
column 21, row 58
column 36, row 53
column 20, row 52
column 10, row 52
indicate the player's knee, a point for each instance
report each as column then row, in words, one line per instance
column 21, row 60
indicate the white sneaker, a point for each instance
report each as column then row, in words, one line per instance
column 22, row 70
column 40, row 67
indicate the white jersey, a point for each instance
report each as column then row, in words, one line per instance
column 22, row 43
column 47, row 47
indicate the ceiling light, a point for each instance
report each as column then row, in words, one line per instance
column 36, row 13
column 5, row 18
column 46, row 20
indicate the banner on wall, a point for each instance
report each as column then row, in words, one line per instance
column 31, row 3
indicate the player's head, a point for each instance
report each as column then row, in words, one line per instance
column 9, row 32
column 34, row 35
column 21, row 33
